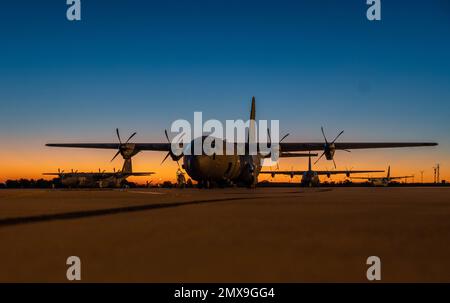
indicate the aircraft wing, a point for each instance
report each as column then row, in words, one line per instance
column 320, row 172
column 72, row 174
column 337, row 172
column 297, row 155
column 294, row 147
column 119, row 174
column 400, row 177
column 283, row 172
column 285, row 147
column 141, row 174
column 137, row 146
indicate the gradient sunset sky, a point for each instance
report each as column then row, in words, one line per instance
column 139, row 65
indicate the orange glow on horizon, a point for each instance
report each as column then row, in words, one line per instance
column 26, row 162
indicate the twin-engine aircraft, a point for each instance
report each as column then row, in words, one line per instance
column 311, row 178
column 383, row 181
column 235, row 168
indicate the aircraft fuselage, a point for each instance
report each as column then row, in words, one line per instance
column 86, row 180
column 238, row 169
column 310, row 178
column 380, row 181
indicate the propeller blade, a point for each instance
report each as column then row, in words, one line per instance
column 337, row 137
column 323, row 134
column 284, row 137
column 130, row 137
column 118, row 135
column 165, row 158
column 268, row 136
column 349, row 151
column 181, row 138
column 118, row 152
column 319, row 157
column 167, row 136
column 334, row 164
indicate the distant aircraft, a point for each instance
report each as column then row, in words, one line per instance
column 233, row 169
column 311, row 178
column 383, row 181
column 101, row 178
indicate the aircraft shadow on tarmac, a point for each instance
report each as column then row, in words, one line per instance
column 313, row 190
column 111, row 211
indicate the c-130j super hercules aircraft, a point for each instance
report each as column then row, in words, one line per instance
column 311, row 178
column 235, row 168
column 101, row 178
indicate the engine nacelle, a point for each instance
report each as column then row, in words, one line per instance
column 128, row 150
column 329, row 150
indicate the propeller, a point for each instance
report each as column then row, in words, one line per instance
column 270, row 142
column 170, row 153
column 349, row 171
column 270, row 139
column 122, row 146
column 284, row 137
column 329, row 147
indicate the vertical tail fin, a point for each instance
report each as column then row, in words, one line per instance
column 127, row 166
column 252, row 111
column 252, row 129
column 309, row 161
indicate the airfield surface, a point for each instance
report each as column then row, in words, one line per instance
column 226, row 235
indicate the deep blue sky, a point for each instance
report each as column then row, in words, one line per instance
column 138, row 65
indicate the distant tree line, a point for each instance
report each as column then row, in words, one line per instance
column 27, row 183
column 56, row 183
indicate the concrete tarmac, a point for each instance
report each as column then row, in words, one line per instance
column 226, row 235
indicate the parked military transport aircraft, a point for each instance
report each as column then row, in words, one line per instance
column 311, row 178
column 100, row 178
column 238, row 169
column 383, row 181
